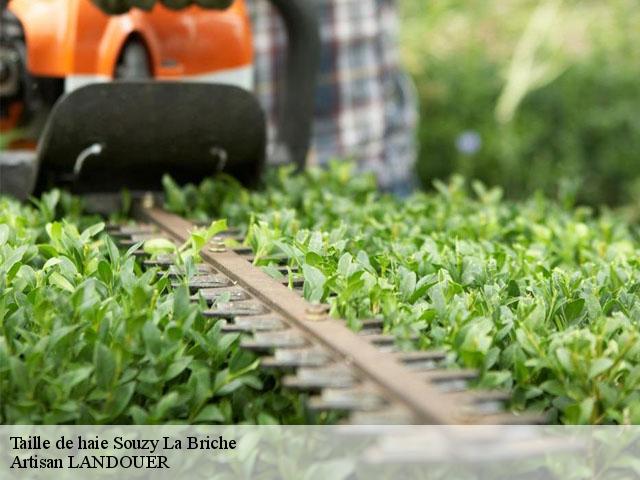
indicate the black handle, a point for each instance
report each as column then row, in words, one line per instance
column 297, row 93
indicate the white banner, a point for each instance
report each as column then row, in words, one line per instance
column 310, row 452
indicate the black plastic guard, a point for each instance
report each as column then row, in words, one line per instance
column 104, row 137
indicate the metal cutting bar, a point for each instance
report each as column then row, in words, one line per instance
column 400, row 384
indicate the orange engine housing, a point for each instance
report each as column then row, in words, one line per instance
column 75, row 41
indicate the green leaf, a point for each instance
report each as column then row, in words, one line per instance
column 216, row 227
column 54, row 230
column 553, row 387
column 314, row 281
column 73, row 377
column 315, row 243
column 133, row 248
column 4, row 234
column 105, row 365
column 182, row 307
column 225, row 341
column 209, row 414
column 478, row 337
column 60, row 334
column 166, row 403
column 159, row 246
column 344, row 264
column 312, row 258
column 177, row 367
column 200, row 383
column 112, row 250
column 104, row 271
column 59, row 281
column 573, row 309
column 121, row 398
column 564, row 356
column 600, row 366
column 513, row 289
column 52, row 262
column 240, row 360
column 174, row 197
column 272, row 271
column 247, row 380
column 152, row 338
column 407, row 283
column 91, row 232
column 139, row 415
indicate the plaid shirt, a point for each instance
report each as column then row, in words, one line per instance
column 365, row 105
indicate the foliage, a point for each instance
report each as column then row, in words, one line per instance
column 87, row 336
column 546, row 91
column 542, row 299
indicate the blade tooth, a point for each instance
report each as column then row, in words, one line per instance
column 296, row 281
column 297, row 357
column 128, row 230
column 372, row 324
column 450, row 374
column 278, row 259
column 236, row 309
column 132, row 240
column 286, row 270
column 265, row 341
column 259, row 323
column 383, row 342
column 359, row 398
column 141, row 237
column 372, row 329
column 422, row 361
column 333, row 376
column 139, row 229
column 161, row 261
column 213, row 294
column 408, row 357
column 482, row 402
column 424, row 365
column 198, row 282
column 382, row 339
column 201, row 269
column 450, row 380
column 481, row 396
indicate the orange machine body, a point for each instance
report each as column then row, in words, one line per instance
column 73, row 43
column 73, row 38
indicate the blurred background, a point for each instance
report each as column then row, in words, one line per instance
column 531, row 95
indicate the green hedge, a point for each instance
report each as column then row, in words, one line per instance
column 542, row 299
column 577, row 137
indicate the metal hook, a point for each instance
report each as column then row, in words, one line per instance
column 94, row 149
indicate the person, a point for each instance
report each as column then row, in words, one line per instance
column 366, row 108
